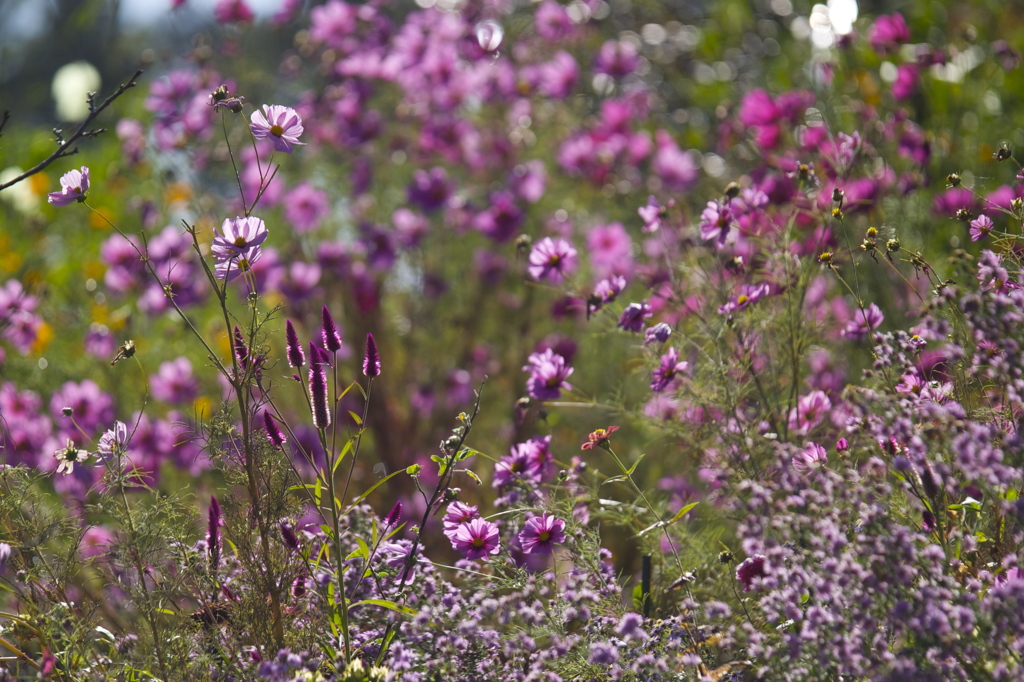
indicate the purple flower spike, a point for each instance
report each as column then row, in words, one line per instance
column 288, row 535
column 394, row 516
column 274, row 434
column 295, row 357
column 332, row 339
column 213, row 534
column 241, row 350
column 318, row 389
column 371, row 361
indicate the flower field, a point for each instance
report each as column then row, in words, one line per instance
column 507, row 340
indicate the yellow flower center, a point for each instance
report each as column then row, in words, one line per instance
column 276, row 130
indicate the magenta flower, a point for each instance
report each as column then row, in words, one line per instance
column 552, row 259
column 749, row 569
column 458, row 513
column 548, row 374
column 980, row 227
column 632, row 319
column 476, row 539
column 715, row 221
column 232, row 11
column 541, row 533
column 282, row 125
column 329, row 331
column 663, row 376
column 676, row 169
column 888, row 33
column 318, row 389
column 809, row 458
column 295, row 356
column 617, row 59
column 864, row 321
column 749, row 294
column 907, row 79
column 810, row 411
column 114, row 442
column 74, row 185
column 653, row 213
column 305, row 207
column 174, row 382
column 521, row 464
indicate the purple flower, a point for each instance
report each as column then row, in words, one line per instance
column 541, row 533
column 329, row 331
column 114, row 443
column 652, row 214
column 552, row 21
column 749, row 294
column 677, row 169
column 659, row 332
column 476, row 539
column 232, row 11
column 810, row 411
column 548, row 374
column 274, row 435
column 980, row 227
column 610, row 249
column 74, row 184
column 213, row 533
column 907, row 78
column 238, row 236
column 457, row 514
column 715, row 221
column 616, row 59
column 809, row 458
column 888, row 33
column 371, row 359
column 552, row 259
column 429, row 189
column 174, row 382
column 318, row 389
column 606, row 291
column 670, row 366
column 603, row 653
column 864, row 321
column 749, row 569
column 632, row 319
column 296, row 358
column 394, row 516
column 304, row 207
column 282, row 125
column 525, row 462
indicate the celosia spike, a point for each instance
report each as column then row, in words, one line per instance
column 332, row 339
column 371, row 361
column 295, row 357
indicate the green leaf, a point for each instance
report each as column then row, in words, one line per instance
column 467, row 452
column 472, row 475
column 638, row 597
column 166, row 611
column 631, row 469
column 383, row 603
column 682, row 512
column 378, row 484
column 356, row 418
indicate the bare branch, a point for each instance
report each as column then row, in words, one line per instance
column 64, row 147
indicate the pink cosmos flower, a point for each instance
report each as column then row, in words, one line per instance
column 305, row 206
column 888, row 33
column 552, row 259
column 810, row 457
column 864, row 321
column 541, row 533
column 666, row 372
column 458, row 513
column 68, row 456
column 476, row 539
column 239, row 235
column 74, row 184
column 715, row 221
column 548, row 374
column 749, row 294
column 810, row 411
column 980, row 227
column 281, row 125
